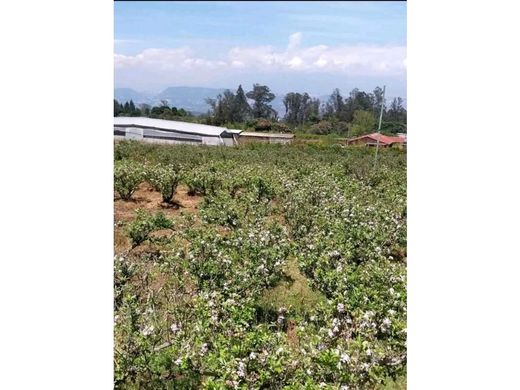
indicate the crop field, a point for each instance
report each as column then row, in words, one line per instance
column 259, row 267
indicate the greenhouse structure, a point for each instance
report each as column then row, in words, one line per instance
column 174, row 132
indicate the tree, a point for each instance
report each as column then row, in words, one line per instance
column 262, row 96
column 363, row 123
column 396, row 112
column 296, row 107
column 335, row 106
column 132, row 107
column 118, row 108
column 313, row 111
column 377, row 100
column 241, row 110
column 222, row 108
column 145, row 109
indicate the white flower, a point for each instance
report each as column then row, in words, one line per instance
column 178, row 362
column 252, row 356
column 203, row 349
column 148, row 330
column 331, row 334
column 340, row 307
column 387, row 322
column 344, row 358
column 241, row 370
column 175, row 328
column 369, row 352
column 344, row 387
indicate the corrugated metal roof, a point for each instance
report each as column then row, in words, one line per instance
column 265, row 135
column 382, row 138
column 161, row 124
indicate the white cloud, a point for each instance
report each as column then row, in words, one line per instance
column 294, row 40
column 182, row 64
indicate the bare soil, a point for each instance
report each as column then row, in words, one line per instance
column 145, row 197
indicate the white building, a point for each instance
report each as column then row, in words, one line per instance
column 173, row 132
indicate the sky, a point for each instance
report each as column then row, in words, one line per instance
column 309, row 47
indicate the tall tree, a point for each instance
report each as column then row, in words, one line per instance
column 296, row 107
column 363, row 123
column 241, row 110
column 262, row 96
column 118, row 108
column 335, row 106
column 145, row 109
column 377, row 100
column 222, row 107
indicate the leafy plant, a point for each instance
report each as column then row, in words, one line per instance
column 145, row 223
column 127, row 177
column 164, row 179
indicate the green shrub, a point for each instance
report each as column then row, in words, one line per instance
column 127, row 177
column 164, row 179
column 145, row 223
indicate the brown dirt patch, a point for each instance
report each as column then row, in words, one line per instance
column 121, row 241
column 145, row 197
column 292, row 336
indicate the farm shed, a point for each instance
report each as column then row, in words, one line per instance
column 384, row 140
column 271, row 138
column 174, row 132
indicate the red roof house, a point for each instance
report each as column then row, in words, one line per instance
column 371, row 140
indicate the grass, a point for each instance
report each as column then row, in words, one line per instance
column 391, row 384
column 293, row 292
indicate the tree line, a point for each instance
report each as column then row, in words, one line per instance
column 162, row 111
column 352, row 115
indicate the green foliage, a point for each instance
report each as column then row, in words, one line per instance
column 164, row 179
column 127, row 177
column 291, row 275
column 364, row 123
column 262, row 96
column 145, row 223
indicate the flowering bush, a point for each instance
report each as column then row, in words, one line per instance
column 127, row 177
column 164, row 179
column 192, row 314
column 145, row 223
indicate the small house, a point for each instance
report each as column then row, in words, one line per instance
column 372, row 140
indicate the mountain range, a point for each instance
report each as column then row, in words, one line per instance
column 192, row 99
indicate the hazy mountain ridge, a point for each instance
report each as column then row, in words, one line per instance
column 193, row 99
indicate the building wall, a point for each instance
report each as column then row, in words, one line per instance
column 244, row 139
column 168, row 137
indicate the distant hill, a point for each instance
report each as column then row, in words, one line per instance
column 190, row 98
column 127, row 94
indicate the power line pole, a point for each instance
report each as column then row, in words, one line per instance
column 379, row 127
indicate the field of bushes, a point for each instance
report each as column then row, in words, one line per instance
column 290, row 272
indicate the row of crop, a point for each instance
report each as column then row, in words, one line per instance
column 188, row 315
